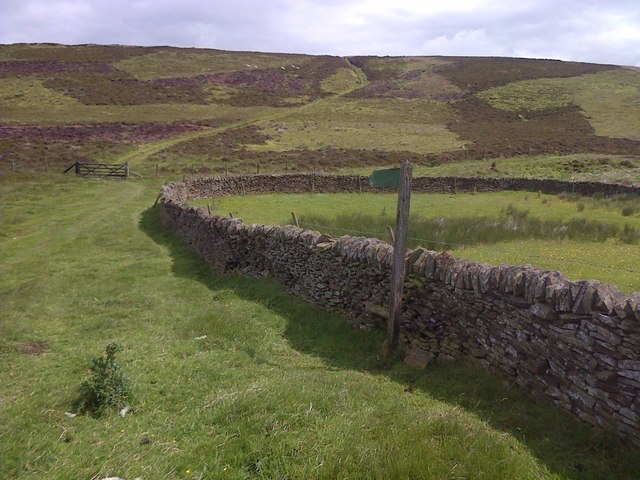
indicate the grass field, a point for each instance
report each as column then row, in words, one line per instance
column 482, row 227
column 185, row 63
column 384, row 124
column 622, row 169
column 609, row 99
column 276, row 389
column 371, row 110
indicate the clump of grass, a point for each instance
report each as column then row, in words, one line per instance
column 107, row 387
column 629, row 210
column 569, row 196
column 515, row 212
column 580, row 207
column 630, row 234
column 435, row 232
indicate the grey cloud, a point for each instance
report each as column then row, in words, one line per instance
column 597, row 31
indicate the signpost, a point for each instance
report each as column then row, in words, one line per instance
column 400, row 177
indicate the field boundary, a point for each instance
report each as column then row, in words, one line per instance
column 100, row 170
column 577, row 343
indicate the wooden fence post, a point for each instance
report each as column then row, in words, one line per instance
column 399, row 260
column 157, row 169
column 126, row 170
column 295, row 219
column 391, row 238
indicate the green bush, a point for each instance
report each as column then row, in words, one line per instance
column 106, row 387
column 630, row 234
column 628, row 210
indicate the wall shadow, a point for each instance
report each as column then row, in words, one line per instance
column 567, row 447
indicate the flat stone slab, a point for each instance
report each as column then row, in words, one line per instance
column 418, row 358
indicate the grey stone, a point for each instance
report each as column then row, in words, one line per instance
column 543, row 311
column 418, row 358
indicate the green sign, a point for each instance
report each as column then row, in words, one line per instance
column 385, row 178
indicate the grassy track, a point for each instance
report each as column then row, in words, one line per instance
column 277, row 389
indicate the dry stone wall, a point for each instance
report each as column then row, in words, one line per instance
column 575, row 342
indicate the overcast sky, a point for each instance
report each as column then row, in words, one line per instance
column 600, row 31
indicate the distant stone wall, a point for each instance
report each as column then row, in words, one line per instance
column 301, row 183
column 577, row 343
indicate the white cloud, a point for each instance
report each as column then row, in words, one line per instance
column 588, row 30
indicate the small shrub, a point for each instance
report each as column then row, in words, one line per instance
column 106, row 387
column 580, row 207
column 629, row 210
column 629, row 234
column 568, row 196
column 515, row 212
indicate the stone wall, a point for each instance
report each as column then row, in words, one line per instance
column 300, row 183
column 575, row 342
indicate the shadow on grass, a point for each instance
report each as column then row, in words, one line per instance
column 567, row 447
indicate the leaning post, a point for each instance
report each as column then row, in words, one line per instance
column 399, row 258
column 401, row 178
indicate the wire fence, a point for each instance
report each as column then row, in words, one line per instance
column 426, row 242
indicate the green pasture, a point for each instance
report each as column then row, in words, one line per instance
column 585, row 238
column 231, row 377
column 609, row 99
column 383, row 124
column 191, row 62
column 624, row 169
column 588, row 167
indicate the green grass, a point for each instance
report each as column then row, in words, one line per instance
column 27, row 92
column 577, row 167
column 382, row 124
column 33, row 113
column 609, row 99
column 477, row 227
column 186, row 63
column 344, row 80
column 277, row 389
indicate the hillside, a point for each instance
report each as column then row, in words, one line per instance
column 200, row 110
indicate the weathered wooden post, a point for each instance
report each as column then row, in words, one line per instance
column 402, row 178
column 157, row 169
column 126, row 170
column 294, row 217
column 399, row 260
